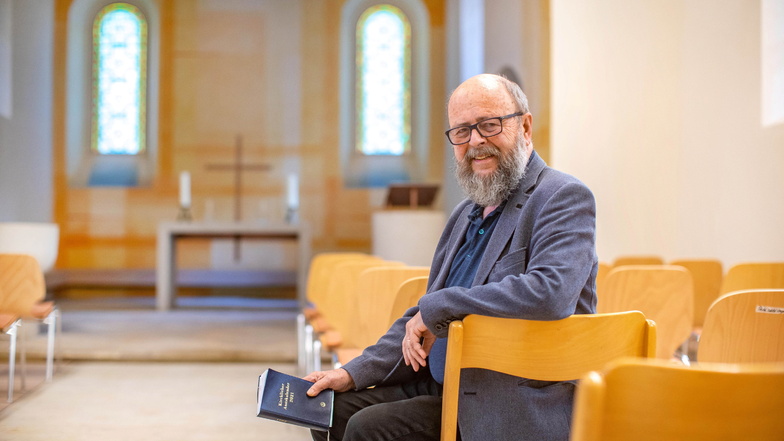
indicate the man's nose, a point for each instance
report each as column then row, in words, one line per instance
column 476, row 139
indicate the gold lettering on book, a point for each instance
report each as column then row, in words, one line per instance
column 285, row 396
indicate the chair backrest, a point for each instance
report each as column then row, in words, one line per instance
column 376, row 291
column 339, row 306
column 646, row 400
column 707, row 275
column 541, row 350
column 744, row 327
column 21, row 283
column 662, row 292
column 37, row 239
column 408, row 295
column 756, row 275
column 320, row 270
column 601, row 276
column 637, row 260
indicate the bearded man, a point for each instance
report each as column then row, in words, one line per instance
column 522, row 245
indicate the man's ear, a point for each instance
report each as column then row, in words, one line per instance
column 528, row 126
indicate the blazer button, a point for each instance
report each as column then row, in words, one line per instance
column 439, row 327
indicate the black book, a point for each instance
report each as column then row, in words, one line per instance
column 283, row 397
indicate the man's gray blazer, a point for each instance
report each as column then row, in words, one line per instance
column 539, row 264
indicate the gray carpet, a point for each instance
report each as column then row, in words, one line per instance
column 199, row 329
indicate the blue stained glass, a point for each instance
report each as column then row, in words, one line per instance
column 383, row 81
column 119, row 80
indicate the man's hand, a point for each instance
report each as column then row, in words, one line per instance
column 417, row 342
column 337, row 379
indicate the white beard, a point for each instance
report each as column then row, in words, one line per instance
column 492, row 190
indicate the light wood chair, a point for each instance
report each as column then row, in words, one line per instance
column 647, row 400
column 339, row 306
column 753, row 275
column 662, row 292
column 744, row 327
column 601, row 276
column 637, row 260
column 542, row 350
column 319, row 271
column 707, row 275
column 408, row 295
column 40, row 240
column 22, row 293
column 376, row 291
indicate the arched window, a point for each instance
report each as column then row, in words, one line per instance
column 384, row 92
column 119, row 80
column 383, row 71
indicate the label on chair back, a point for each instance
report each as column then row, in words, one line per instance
column 770, row 309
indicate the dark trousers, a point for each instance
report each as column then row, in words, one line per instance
column 410, row 411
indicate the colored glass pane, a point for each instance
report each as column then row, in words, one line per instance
column 119, row 80
column 383, row 81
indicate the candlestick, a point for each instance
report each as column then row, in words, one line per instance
column 292, row 200
column 185, row 189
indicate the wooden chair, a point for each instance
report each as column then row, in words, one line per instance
column 338, row 308
column 647, row 400
column 40, row 240
column 662, row 292
column 408, row 295
column 375, row 295
column 707, row 275
column 637, row 260
column 542, row 350
column 22, row 292
column 757, row 275
column 601, row 276
column 744, row 327
column 319, row 272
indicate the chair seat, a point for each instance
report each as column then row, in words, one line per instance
column 41, row 310
column 7, row 320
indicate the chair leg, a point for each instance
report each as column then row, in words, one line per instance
column 302, row 356
column 22, row 342
column 51, row 322
column 12, row 333
column 317, row 355
column 308, row 349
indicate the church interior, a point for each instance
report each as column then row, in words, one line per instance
column 181, row 270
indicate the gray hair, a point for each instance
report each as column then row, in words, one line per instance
column 519, row 98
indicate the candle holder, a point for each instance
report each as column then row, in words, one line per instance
column 292, row 215
column 184, row 214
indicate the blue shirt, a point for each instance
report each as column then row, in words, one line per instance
column 463, row 270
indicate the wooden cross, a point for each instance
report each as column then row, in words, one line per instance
column 238, row 167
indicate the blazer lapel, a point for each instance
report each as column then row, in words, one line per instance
column 509, row 219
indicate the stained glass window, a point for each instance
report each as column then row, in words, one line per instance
column 383, row 81
column 119, row 80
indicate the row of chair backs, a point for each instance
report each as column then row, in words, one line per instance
column 375, row 296
column 543, row 350
column 656, row 400
column 662, row 292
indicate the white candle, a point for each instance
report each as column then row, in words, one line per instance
column 292, row 193
column 185, row 190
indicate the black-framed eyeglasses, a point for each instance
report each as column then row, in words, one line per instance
column 487, row 127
